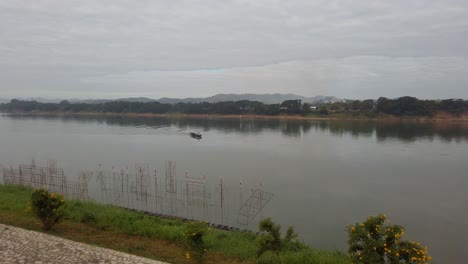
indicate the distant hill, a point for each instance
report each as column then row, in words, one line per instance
column 90, row 101
column 37, row 99
column 137, row 100
column 56, row 101
column 264, row 98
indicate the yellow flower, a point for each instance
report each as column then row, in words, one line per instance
column 187, row 255
column 397, row 254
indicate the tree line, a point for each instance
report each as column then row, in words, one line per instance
column 401, row 106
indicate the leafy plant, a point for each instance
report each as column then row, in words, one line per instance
column 47, row 207
column 193, row 236
column 375, row 241
column 270, row 239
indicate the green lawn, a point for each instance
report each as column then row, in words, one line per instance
column 145, row 235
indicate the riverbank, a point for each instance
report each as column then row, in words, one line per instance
column 143, row 235
column 439, row 117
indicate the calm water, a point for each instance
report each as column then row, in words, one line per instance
column 324, row 174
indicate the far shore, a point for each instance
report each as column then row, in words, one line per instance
column 439, row 117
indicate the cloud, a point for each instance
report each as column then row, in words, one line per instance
column 351, row 77
column 65, row 45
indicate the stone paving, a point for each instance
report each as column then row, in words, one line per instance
column 24, row 246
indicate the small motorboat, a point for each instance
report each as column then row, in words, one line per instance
column 196, row 135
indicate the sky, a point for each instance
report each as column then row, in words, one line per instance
column 350, row 49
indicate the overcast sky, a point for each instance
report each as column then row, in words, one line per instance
column 175, row 48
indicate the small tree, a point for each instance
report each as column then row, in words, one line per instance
column 291, row 106
column 375, row 241
column 305, row 110
column 47, row 207
column 323, row 110
column 270, row 239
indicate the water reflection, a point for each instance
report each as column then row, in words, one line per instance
column 326, row 172
column 408, row 131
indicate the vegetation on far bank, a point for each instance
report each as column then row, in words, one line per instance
column 383, row 107
column 148, row 236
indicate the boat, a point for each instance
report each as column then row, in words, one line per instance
column 196, row 135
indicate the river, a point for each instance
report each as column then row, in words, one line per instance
column 323, row 175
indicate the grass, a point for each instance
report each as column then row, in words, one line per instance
column 147, row 236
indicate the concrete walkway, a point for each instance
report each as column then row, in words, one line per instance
column 23, row 246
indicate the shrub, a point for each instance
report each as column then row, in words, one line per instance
column 193, row 237
column 375, row 241
column 47, row 207
column 270, row 239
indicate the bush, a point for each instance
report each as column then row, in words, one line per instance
column 270, row 239
column 193, row 236
column 47, row 207
column 375, row 241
